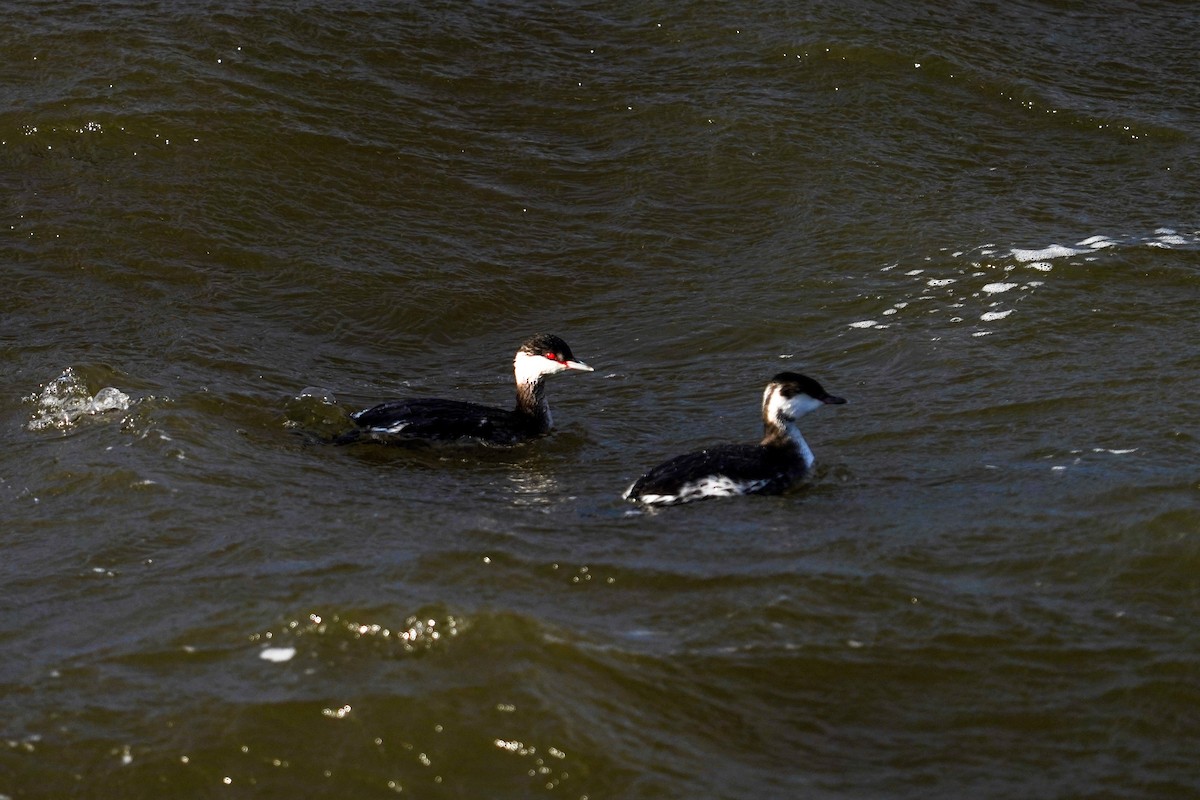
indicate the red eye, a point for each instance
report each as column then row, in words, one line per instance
column 553, row 357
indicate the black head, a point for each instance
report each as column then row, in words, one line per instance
column 549, row 346
column 793, row 383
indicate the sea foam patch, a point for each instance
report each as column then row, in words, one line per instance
column 981, row 288
column 277, row 655
column 1046, row 253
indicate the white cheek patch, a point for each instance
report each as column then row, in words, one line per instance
column 794, row 407
column 529, row 368
column 801, row 404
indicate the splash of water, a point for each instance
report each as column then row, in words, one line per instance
column 65, row 401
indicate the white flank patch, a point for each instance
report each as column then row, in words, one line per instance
column 711, row 486
column 714, row 486
column 658, row 499
column 718, row 486
column 278, row 655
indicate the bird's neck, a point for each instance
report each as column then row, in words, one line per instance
column 785, row 434
column 531, row 403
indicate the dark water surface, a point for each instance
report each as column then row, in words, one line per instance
column 224, row 225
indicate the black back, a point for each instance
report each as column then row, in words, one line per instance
column 445, row 420
column 772, row 468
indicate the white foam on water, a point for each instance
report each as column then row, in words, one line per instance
column 963, row 281
column 1097, row 242
column 1167, row 238
column 277, row 655
column 1046, row 253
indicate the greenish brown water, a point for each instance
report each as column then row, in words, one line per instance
column 980, row 226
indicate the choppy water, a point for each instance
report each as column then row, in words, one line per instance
column 225, row 225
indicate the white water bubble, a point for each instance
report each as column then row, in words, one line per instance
column 989, row 316
column 998, row 288
column 318, row 393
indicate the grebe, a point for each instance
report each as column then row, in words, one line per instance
column 399, row 421
column 735, row 469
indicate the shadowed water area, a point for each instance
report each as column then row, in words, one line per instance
column 225, row 226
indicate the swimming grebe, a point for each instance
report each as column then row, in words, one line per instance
column 734, row 469
column 399, row 421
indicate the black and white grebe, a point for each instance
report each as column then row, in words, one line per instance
column 768, row 467
column 399, row 421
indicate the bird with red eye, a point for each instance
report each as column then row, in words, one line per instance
column 426, row 419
